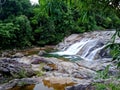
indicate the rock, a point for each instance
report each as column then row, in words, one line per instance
column 59, row 80
column 25, row 60
column 42, row 52
column 18, row 82
column 5, row 54
column 90, row 46
column 81, row 87
column 80, row 76
column 83, row 84
column 102, row 35
column 36, row 67
column 35, row 59
column 47, row 68
column 12, row 68
column 38, row 60
column 95, row 65
column 74, row 70
column 67, row 42
column 18, row 55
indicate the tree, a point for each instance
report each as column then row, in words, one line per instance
column 7, row 34
column 24, row 33
column 11, row 8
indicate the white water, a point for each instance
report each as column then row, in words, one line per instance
column 86, row 48
column 74, row 48
column 94, row 53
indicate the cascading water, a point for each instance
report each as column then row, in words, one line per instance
column 88, row 46
column 75, row 48
column 93, row 55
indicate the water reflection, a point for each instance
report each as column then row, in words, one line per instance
column 40, row 86
column 57, row 84
column 28, row 87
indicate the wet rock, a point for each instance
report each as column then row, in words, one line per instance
column 5, row 54
column 19, row 82
column 47, row 68
column 102, row 35
column 18, row 55
column 37, row 67
column 105, row 53
column 25, row 60
column 37, row 60
column 81, row 87
column 75, row 71
column 80, row 76
column 50, row 67
column 58, row 83
column 67, row 42
column 42, row 52
column 83, row 84
column 96, row 65
column 12, row 68
column 59, row 80
column 100, row 65
column 90, row 46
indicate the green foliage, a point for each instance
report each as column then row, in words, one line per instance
column 106, row 86
column 100, row 86
column 103, row 74
column 50, row 25
column 21, row 83
column 24, row 33
column 110, row 86
column 115, row 48
column 21, row 74
column 15, row 28
column 13, row 8
column 52, row 20
column 7, row 34
column 40, row 72
column 17, row 33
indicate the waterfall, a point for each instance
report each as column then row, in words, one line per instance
column 88, row 46
column 85, row 48
column 74, row 48
column 93, row 55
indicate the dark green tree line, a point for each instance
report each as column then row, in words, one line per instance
column 15, row 28
column 23, row 24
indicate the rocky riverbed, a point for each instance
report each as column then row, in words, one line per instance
column 54, row 70
column 24, row 68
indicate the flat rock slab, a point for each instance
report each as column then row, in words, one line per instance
column 59, row 80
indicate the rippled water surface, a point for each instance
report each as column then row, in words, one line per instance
column 46, row 85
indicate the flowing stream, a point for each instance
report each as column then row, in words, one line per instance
column 88, row 49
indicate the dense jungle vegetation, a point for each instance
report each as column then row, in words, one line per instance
column 23, row 24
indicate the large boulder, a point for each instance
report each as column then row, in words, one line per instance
column 12, row 68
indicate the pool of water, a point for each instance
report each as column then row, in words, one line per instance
column 71, row 58
column 44, row 85
column 39, row 86
column 28, row 87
